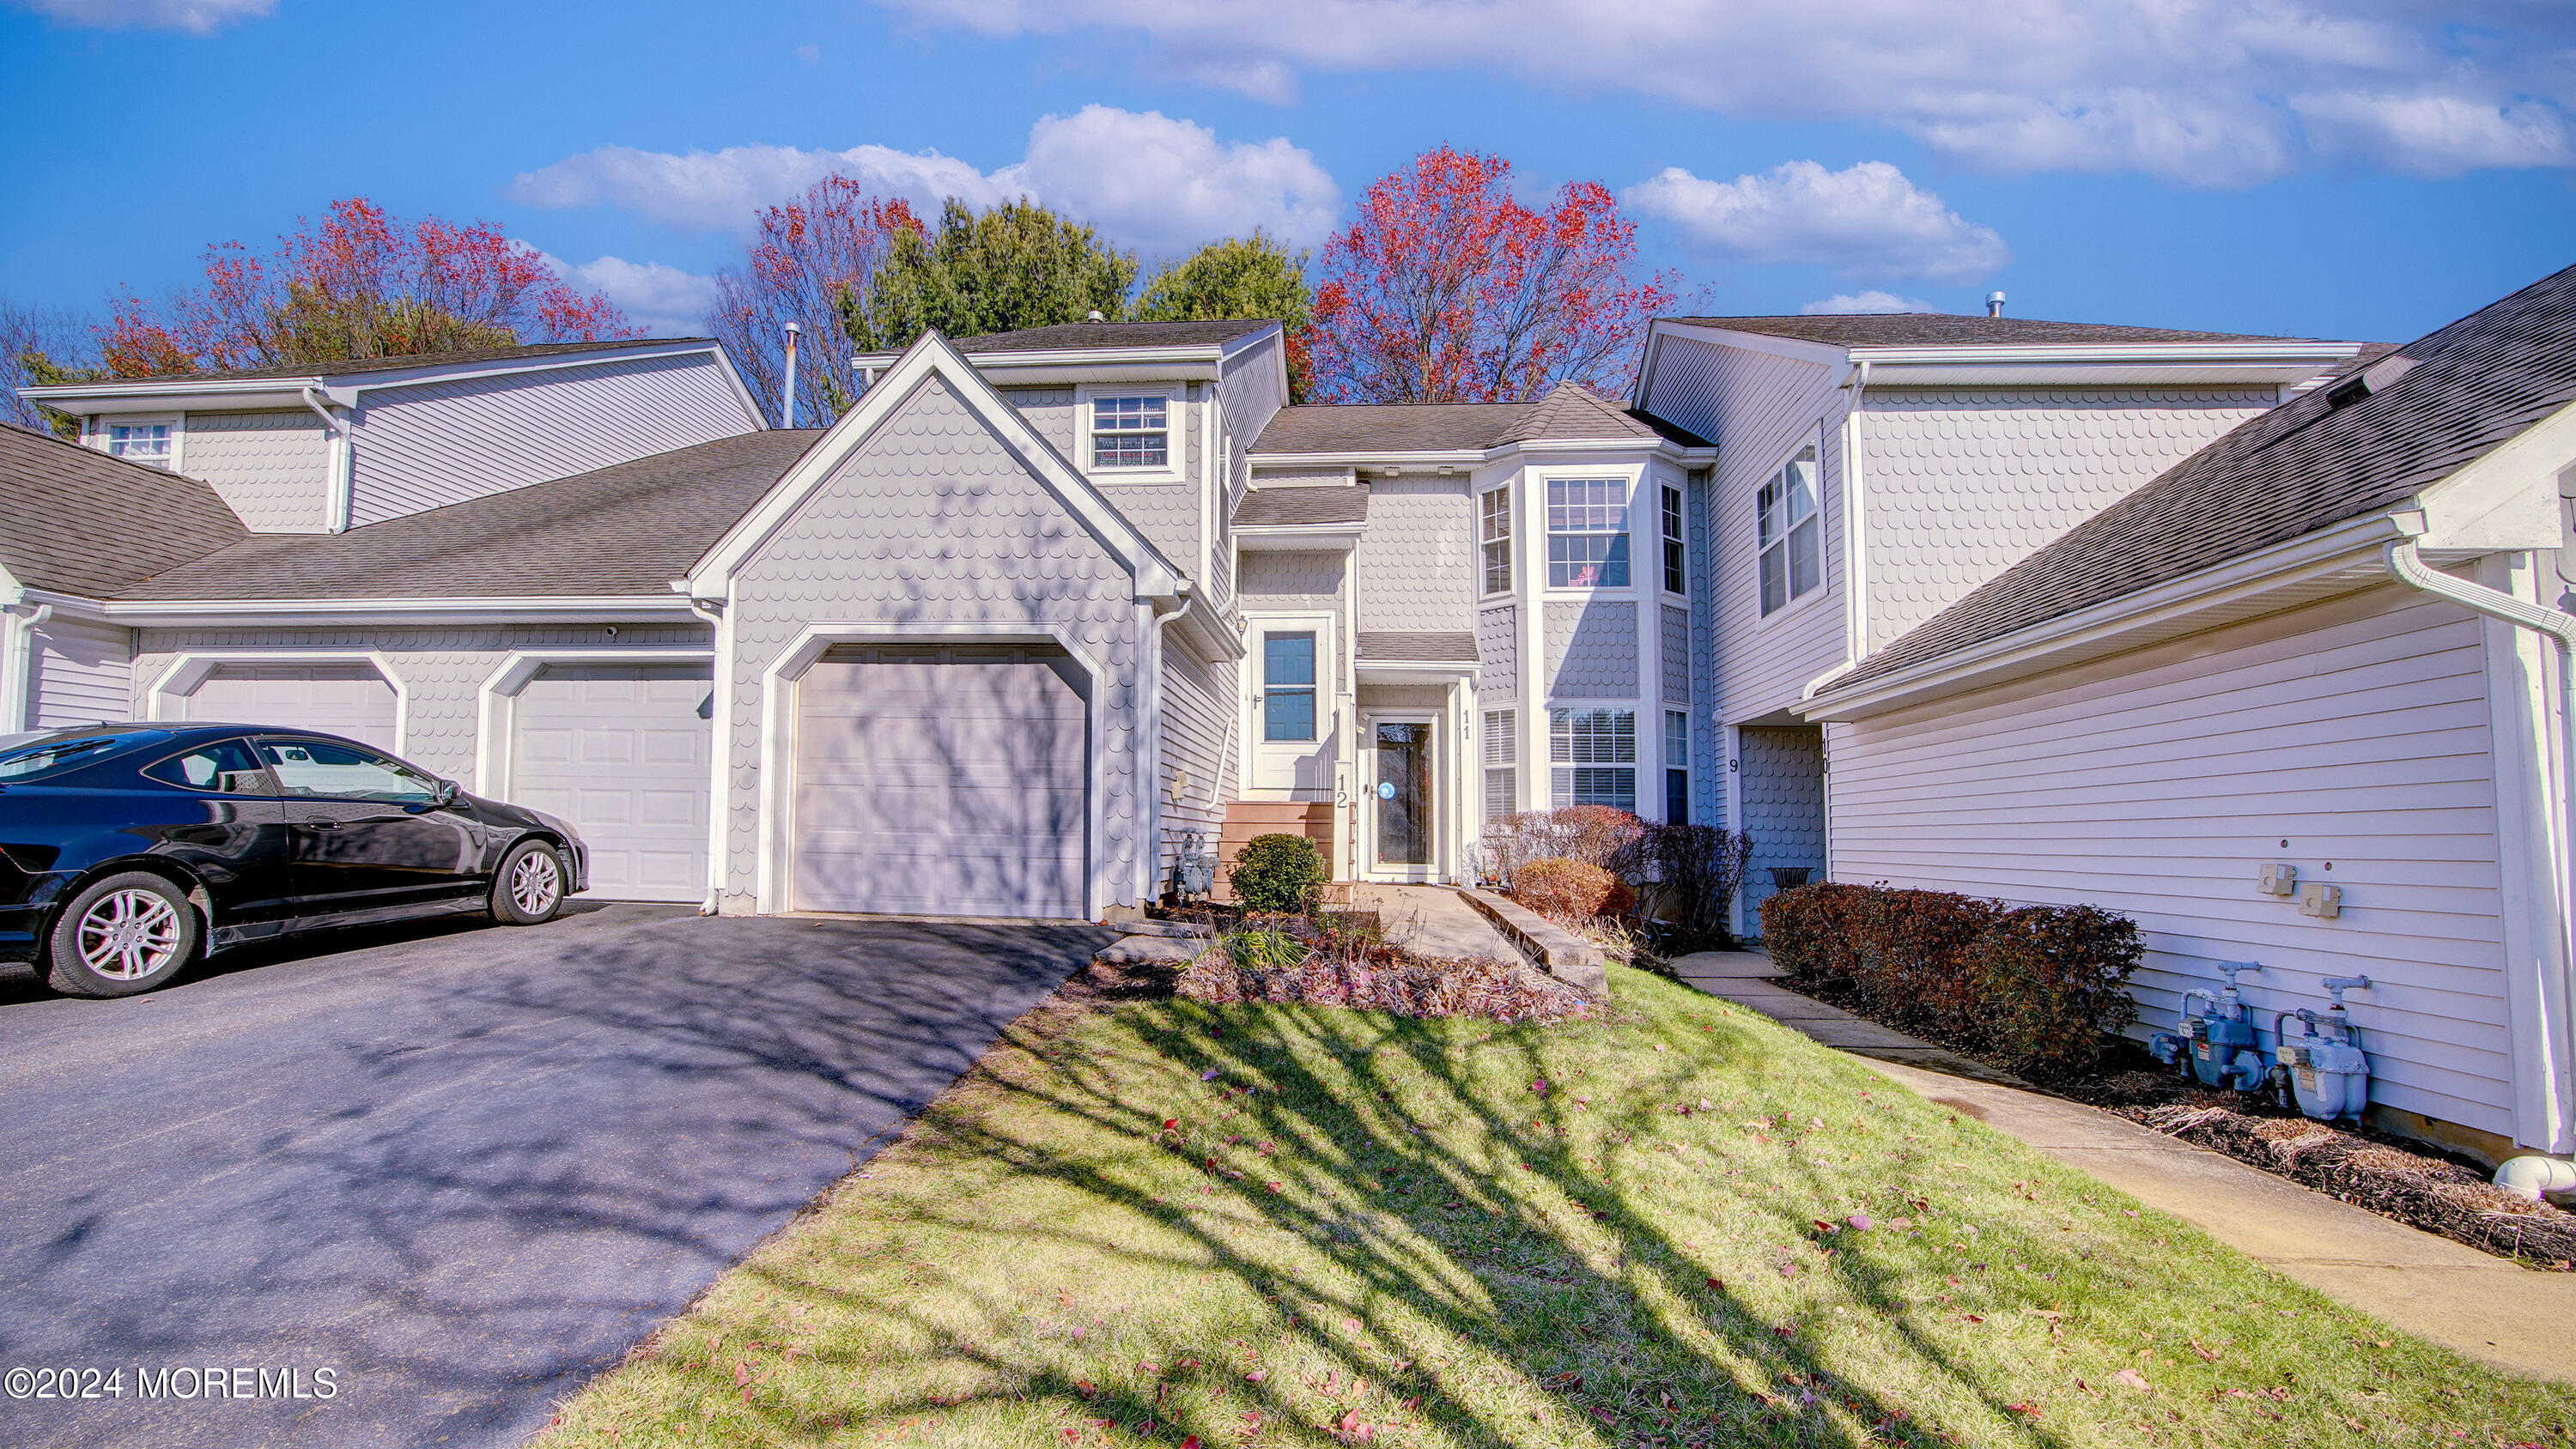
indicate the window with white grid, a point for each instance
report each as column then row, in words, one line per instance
column 1790, row 532
column 1502, row 760
column 1587, row 533
column 1593, row 755
column 1131, row 432
column 1676, row 577
column 1676, row 767
column 1494, row 528
column 140, row 442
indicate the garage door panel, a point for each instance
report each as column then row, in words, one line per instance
column 351, row 700
column 622, row 751
column 942, row 781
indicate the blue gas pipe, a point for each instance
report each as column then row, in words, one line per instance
column 2324, row 1071
column 2215, row 1045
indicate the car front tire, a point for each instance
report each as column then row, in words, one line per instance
column 126, row 934
column 528, row 890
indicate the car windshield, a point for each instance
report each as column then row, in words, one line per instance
column 20, row 760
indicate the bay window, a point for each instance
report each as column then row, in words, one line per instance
column 1593, row 757
column 1587, row 533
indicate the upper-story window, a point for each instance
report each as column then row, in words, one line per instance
column 1494, row 528
column 1131, row 432
column 140, row 442
column 1587, row 533
column 1676, row 578
column 1791, row 532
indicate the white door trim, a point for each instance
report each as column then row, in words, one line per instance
column 186, row 671
column 1441, row 751
column 494, row 702
column 776, row 832
column 1330, row 687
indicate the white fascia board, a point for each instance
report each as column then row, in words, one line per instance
column 358, row 613
column 2508, row 499
column 711, row 578
column 11, row 591
column 1535, row 449
column 2282, row 353
column 1822, row 353
column 1303, row 537
column 207, row 394
column 1414, row 671
column 2353, row 547
column 1427, row 458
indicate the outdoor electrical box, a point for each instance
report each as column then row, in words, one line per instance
column 2278, row 880
column 2323, row 901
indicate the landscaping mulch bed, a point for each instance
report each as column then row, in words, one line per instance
column 2395, row 1177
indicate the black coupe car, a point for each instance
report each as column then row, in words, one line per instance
column 125, row 849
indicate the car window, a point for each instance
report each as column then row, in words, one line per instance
column 329, row 770
column 225, row 767
column 42, row 760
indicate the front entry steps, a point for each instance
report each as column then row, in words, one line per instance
column 1245, row 819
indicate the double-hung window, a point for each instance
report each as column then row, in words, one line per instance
column 1593, row 757
column 1676, row 767
column 1131, row 432
column 140, row 442
column 1288, row 687
column 1791, row 532
column 1587, row 533
column 1502, row 756
column 1676, row 578
column 1494, row 528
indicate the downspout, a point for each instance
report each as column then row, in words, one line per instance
column 1153, row 729
column 2406, row 561
column 721, row 750
column 17, row 672
column 336, row 505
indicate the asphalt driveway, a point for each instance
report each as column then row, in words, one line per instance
column 460, row 1167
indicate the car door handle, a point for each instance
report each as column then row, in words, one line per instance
column 322, row 823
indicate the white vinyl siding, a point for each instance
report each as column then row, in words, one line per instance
column 77, row 673
column 273, row 469
column 2156, row 785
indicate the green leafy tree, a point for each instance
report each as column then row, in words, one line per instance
column 1016, row 265
column 40, row 345
column 1238, row 277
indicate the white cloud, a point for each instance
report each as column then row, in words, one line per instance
column 2206, row 92
column 1143, row 178
column 1844, row 304
column 197, row 17
column 1864, row 219
column 663, row 300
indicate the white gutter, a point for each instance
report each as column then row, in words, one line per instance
column 718, row 810
column 211, row 613
column 2406, row 561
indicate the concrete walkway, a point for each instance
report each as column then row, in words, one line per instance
column 2479, row 1306
column 1433, row 921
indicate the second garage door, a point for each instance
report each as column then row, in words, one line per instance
column 942, row 781
column 621, row 751
column 351, row 700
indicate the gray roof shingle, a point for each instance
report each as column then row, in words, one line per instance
column 1940, row 329
column 1113, row 334
column 1568, row 412
column 1305, row 503
column 626, row 529
column 1416, row 646
column 77, row 521
column 2335, row 453
column 354, row 367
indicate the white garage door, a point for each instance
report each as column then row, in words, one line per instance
column 352, row 700
column 621, row 751
column 941, row 781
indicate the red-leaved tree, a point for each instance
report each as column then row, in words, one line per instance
column 359, row 284
column 812, row 262
column 1446, row 289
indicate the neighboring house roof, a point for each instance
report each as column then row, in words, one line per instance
column 2366, row 442
column 627, row 529
column 77, row 521
column 1937, row 329
column 1071, row 335
column 1569, row 413
column 1303, row 503
column 1416, row 646
column 358, row 366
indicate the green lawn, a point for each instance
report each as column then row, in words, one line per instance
column 1368, row 1229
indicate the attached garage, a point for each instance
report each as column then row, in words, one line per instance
column 621, row 751
column 351, row 699
column 942, row 780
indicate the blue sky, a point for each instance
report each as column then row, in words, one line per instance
column 2342, row 168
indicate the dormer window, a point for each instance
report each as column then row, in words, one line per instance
column 1131, row 432
column 140, row 442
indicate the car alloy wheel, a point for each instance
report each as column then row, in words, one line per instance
column 536, row 884
column 130, row 935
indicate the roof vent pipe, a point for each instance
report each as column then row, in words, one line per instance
column 1994, row 304
column 788, row 408
column 1095, row 316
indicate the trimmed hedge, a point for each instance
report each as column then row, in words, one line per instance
column 2044, row 987
column 1570, row 890
column 1278, row 874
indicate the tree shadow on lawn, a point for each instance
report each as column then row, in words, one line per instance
column 1373, row 1242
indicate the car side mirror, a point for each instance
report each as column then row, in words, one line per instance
column 447, row 792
